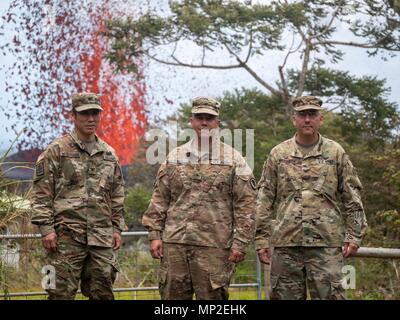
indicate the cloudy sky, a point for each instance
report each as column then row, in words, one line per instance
column 180, row 85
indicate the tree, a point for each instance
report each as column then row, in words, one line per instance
column 140, row 172
column 136, row 202
column 368, row 122
column 366, row 114
column 380, row 176
column 243, row 31
column 378, row 166
column 251, row 108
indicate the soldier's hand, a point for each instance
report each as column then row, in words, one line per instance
column 264, row 255
column 236, row 256
column 50, row 241
column 349, row 249
column 156, row 249
column 117, row 241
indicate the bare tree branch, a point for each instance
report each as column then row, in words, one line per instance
column 304, row 67
column 175, row 47
column 356, row 44
column 306, row 60
column 250, row 47
column 244, row 65
column 328, row 25
column 178, row 63
column 303, row 36
column 281, row 68
column 204, row 55
column 291, row 51
column 261, row 81
column 341, row 103
column 284, row 84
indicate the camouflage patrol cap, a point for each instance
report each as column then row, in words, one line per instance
column 205, row 105
column 85, row 101
column 306, row 103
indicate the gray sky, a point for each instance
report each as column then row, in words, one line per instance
column 182, row 84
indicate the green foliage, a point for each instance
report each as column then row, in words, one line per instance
column 376, row 279
column 140, row 172
column 137, row 200
column 371, row 144
column 382, row 196
column 367, row 125
column 13, row 203
column 245, row 108
column 206, row 23
column 367, row 115
column 243, row 30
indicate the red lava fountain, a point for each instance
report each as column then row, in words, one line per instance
column 59, row 49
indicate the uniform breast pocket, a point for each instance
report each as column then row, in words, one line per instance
column 289, row 176
column 219, row 178
column 183, row 176
column 328, row 181
column 71, row 167
column 106, row 175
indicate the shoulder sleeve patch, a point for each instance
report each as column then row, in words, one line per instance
column 39, row 169
column 253, row 183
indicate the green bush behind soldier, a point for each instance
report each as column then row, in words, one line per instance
column 201, row 215
column 77, row 202
column 304, row 183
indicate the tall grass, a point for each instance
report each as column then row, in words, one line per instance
column 14, row 210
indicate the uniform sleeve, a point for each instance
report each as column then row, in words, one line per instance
column 349, row 189
column 42, row 192
column 244, row 197
column 267, row 188
column 156, row 213
column 117, row 201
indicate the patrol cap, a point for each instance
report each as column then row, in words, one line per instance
column 306, row 103
column 205, row 105
column 85, row 101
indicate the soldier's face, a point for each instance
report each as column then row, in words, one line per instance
column 86, row 122
column 308, row 122
column 202, row 123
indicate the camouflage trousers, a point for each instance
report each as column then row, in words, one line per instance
column 96, row 267
column 294, row 269
column 186, row 270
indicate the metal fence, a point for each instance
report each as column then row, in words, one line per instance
column 137, row 278
column 374, row 256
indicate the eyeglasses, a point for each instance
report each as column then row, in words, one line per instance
column 309, row 113
column 91, row 112
column 204, row 116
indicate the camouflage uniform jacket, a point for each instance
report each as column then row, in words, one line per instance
column 304, row 195
column 203, row 200
column 78, row 191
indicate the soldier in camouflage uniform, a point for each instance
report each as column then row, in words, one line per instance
column 77, row 202
column 202, row 213
column 304, row 183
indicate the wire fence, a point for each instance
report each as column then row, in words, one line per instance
column 22, row 259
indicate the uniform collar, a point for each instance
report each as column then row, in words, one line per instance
column 98, row 147
column 316, row 151
column 192, row 152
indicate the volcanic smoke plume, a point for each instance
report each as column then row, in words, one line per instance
column 59, row 49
